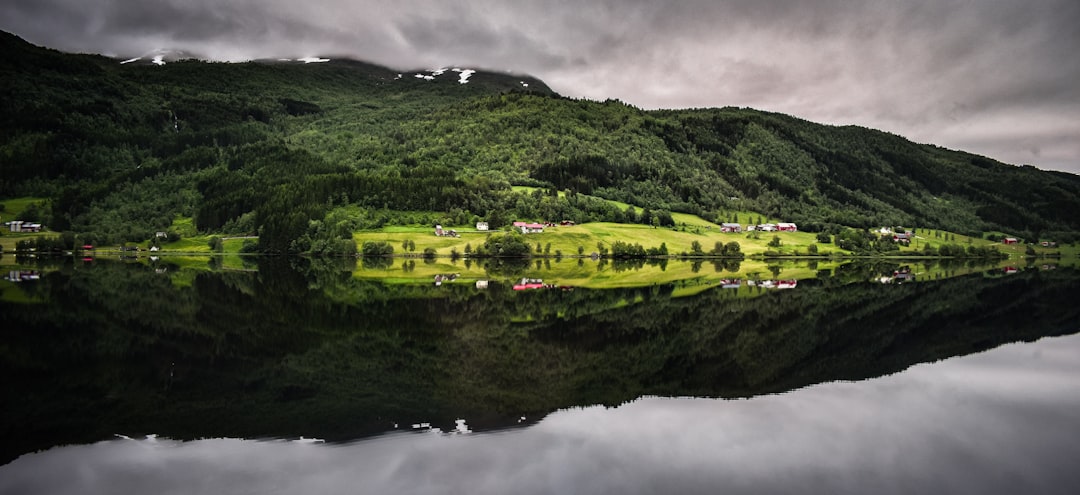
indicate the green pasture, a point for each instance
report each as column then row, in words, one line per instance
column 567, row 239
column 14, row 206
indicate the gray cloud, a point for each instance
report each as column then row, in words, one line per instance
column 995, row 77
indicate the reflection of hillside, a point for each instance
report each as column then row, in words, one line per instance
column 303, row 348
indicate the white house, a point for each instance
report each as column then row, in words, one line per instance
column 529, row 228
column 481, row 225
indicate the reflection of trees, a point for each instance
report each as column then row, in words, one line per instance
column 302, row 347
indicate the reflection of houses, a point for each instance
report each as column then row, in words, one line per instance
column 529, row 228
column 730, row 283
column 730, row 227
column 445, row 233
column 899, row 276
column 439, row 279
column 481, row 284
column 481, row 226
column 1009, row 270
column 22, row 275
column 787, row 227
column 903, row 275
column 773, row 284
column 533, row 283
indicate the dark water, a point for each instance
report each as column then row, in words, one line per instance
column 128, row 378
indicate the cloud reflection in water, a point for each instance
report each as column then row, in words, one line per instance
column 1003, row 421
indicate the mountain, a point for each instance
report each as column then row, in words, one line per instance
column 275, row 146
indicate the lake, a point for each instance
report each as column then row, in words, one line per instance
column 290, row 375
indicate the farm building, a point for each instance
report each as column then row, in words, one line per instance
column 21, row 226
column 730, row 227
column 439, row 231
column 786, row 227
column 529, row 228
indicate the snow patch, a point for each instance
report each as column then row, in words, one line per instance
column 437, row 72
column 398, row 77
column 130, row 60
column 313, row 60
column 159, row 60
column 524, row 84
column 464, row 74
column 422, row 76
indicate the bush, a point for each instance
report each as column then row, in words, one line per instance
column 376, row 248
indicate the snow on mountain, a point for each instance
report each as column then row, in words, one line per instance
column 463, row 74
column 160, row 56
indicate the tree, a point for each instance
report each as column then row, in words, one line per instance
column 695, row 248
column 376, row 248
column 824, row 238
column 775, row 242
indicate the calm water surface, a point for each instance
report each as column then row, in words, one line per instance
column 299, row 379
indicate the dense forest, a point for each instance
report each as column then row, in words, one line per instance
column 278, row 148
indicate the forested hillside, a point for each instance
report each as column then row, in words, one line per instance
column 121, row 150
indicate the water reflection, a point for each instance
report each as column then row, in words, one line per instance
column 1003, row 421
column 290, row 347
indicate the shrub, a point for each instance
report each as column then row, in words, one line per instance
column 376, row 248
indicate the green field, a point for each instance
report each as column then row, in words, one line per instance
column 14, row 206
column 568, row 239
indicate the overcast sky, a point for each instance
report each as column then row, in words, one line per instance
column 994, row 77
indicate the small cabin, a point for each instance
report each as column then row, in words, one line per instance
column 481, row 226
column 730, row 227
column 1010, row 240
column 787, row 227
